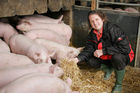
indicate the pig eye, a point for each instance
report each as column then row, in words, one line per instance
column 37, row 54
column 26, row 22
column 71, row 51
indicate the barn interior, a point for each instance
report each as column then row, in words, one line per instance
column 75, row 14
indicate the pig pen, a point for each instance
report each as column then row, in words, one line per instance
column 88, row 80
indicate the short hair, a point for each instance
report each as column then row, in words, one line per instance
column 99, row 13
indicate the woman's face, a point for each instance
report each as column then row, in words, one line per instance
column 95, row 21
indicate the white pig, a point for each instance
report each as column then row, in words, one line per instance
column 62, row 29
column 11, row 59
column 7, row 75
column 4, row 47
column 21, row 44
column 41, row 19
column 131, row 10
column 60, row 50
column 6, row 31
column 47, row 34
column 38, row 83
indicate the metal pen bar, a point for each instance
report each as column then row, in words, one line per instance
column 117, row 3
column 137, row 57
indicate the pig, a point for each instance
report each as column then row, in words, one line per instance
column 131, row 10
column 11, row 59
column 119, row 9
column 6, row 31
column 4, row 47
column 62, row 29
column 38, row 83
column 60, row 50
column 10, row 74
column 41, row 19
column 21, row 44
column 47, row 34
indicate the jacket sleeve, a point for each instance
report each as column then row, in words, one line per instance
column 87, row 52
column 120, row 43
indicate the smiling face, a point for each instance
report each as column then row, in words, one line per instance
column 96, row 21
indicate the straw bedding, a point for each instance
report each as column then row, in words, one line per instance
column 88, row 80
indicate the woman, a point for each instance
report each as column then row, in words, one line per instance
column 107, row 48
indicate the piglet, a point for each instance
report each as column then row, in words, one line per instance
column 21, row 44
column 47, row 34
column 11, row 59
column 62, row 29
column 41, row 19
column 131, row 10
column 18, row 71
column 61, row 51
column 37, row 83
column 4, row 47
column 6, row 31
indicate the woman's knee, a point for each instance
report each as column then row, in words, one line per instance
column 94, row 62
column 119, row 61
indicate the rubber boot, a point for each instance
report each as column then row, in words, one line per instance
column 107, row 71
column 119, row 78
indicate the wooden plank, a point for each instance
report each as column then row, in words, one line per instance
column 40, row 6
column 55, row 5
column 137, row 57
column 93, row 5
column 16, row 7
column 67, row 4
column 22, row 7
column 27, row 7
column 5, row 9
column 83, row 3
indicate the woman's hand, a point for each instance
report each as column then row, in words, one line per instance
column 98, row 53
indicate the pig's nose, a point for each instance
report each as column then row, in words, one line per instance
column 59, row 71
column 51, row 68
column 39, row 61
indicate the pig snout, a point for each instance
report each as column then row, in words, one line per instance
column 24, row 26
column 57, row 71
column 38, row 61
column 73, row 53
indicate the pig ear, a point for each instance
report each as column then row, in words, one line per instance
column 69, row 81
column 49, row 61
column 53, row 53
column 27, row 22
column 80, row 48
column 60, row 19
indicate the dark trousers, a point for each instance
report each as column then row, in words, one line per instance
column 118, row 61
